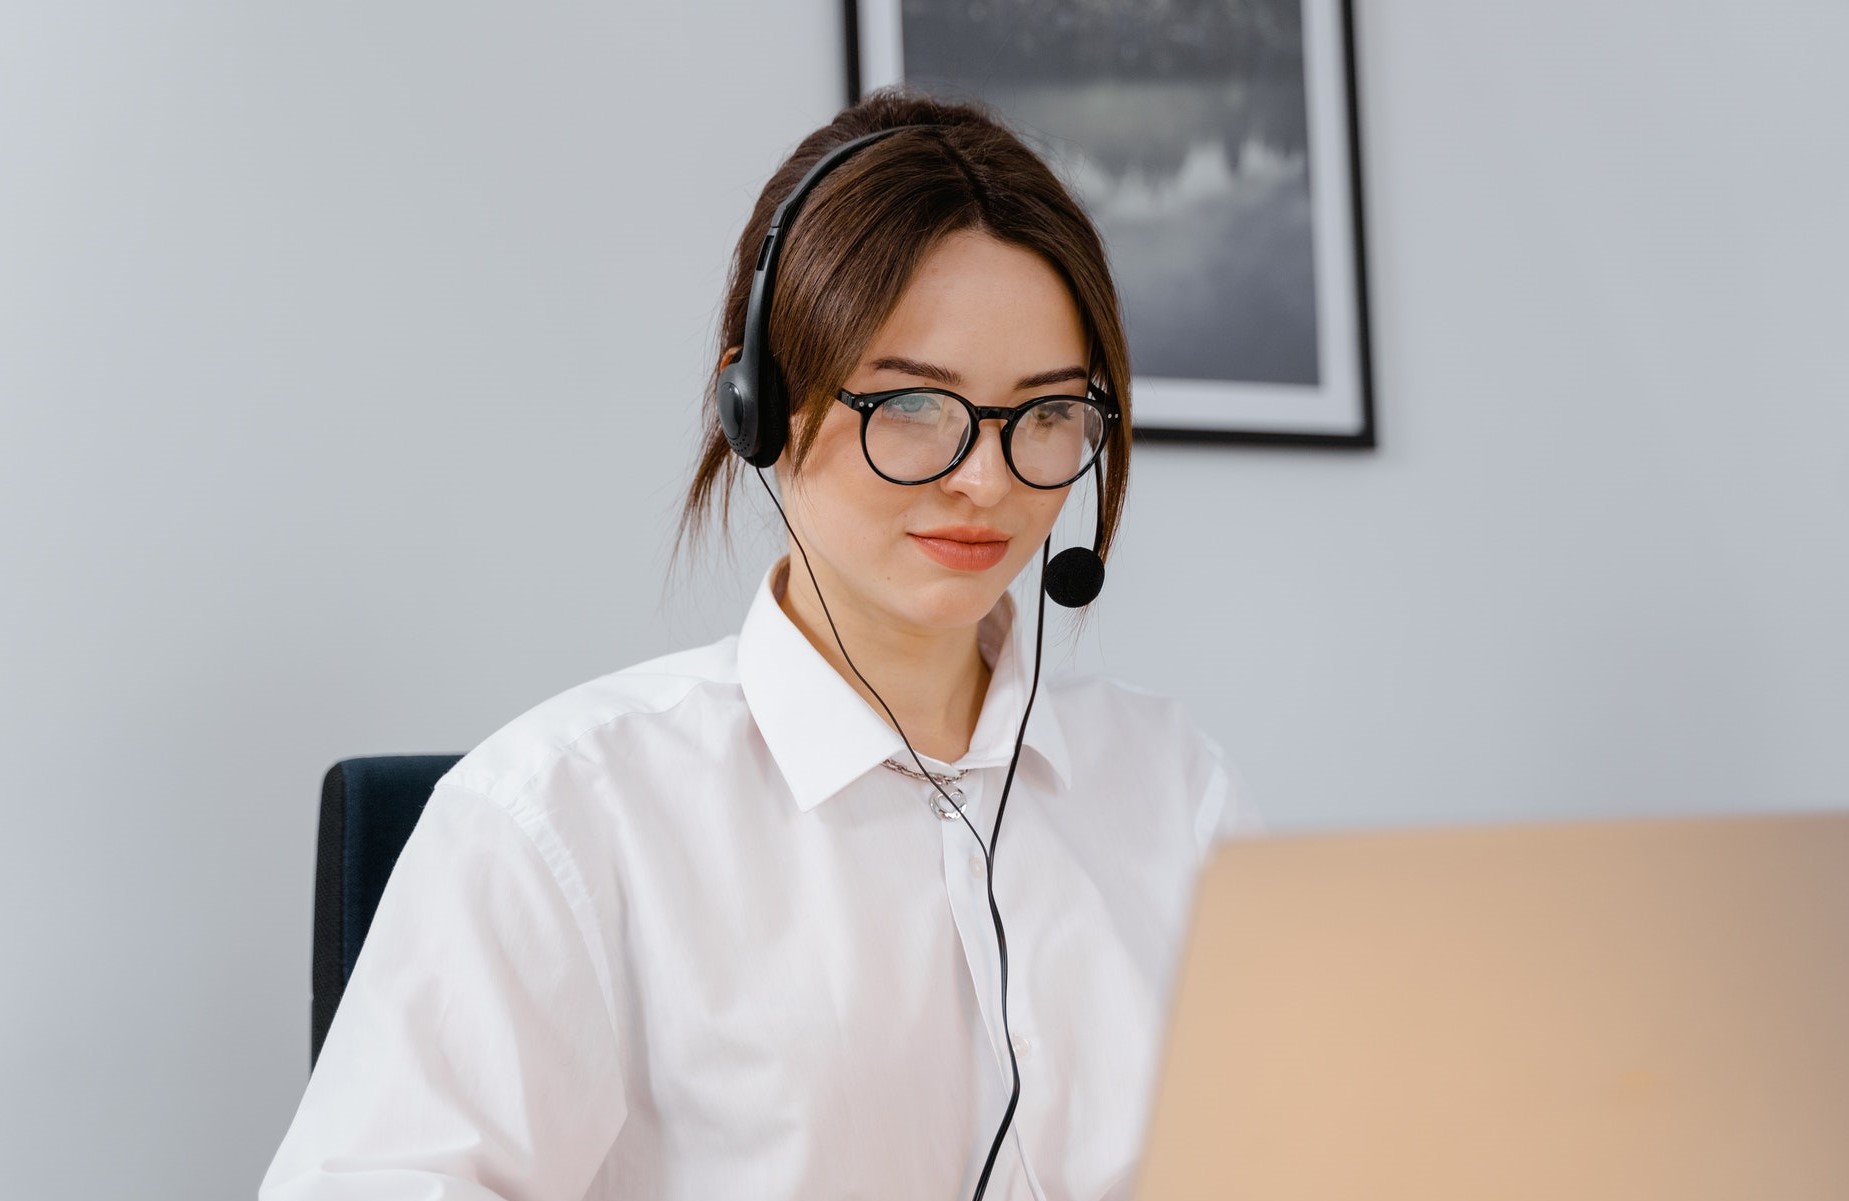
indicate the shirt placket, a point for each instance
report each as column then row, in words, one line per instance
column 966, row 885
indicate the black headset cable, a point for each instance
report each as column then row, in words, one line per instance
column 988, row 848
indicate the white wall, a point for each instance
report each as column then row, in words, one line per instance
column 304, row 309
column 1601, row 562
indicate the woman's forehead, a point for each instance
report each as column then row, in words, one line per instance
column 982, row 312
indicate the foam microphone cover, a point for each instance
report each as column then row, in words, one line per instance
column 1075, row 577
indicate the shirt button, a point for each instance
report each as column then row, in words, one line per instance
column 978, row 866
column 1023, row 1046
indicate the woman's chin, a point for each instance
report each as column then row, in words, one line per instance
column 957, row 602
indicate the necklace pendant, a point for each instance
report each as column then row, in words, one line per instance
column 947, row 813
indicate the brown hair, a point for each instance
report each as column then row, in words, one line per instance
column 859, row 237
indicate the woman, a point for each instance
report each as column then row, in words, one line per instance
column 721, row 925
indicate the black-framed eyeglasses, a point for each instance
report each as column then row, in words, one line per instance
column 916, row 435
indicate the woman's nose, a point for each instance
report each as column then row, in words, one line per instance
column 983, row 475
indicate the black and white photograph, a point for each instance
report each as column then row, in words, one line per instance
column 1212, row 144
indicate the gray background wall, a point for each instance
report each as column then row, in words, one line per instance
column 347, row 363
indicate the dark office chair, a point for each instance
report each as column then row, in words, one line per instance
column 368, row 807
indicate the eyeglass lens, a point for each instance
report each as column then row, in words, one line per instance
column 915, row 436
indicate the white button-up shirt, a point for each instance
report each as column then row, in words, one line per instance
column 676, row 933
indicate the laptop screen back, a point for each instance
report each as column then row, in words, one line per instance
column 1639, row 1009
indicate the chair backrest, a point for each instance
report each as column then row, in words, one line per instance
column 368, row 808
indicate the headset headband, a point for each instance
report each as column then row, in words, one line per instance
column 754, row 408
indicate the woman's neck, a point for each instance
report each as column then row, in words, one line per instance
column 934, row 681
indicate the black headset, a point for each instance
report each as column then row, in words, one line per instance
column 754, row 405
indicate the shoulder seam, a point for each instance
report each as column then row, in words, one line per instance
column 559, row 750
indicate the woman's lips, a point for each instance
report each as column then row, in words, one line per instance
column 960, row 554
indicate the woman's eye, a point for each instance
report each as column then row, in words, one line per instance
column 917, row 407
column 1057, row 413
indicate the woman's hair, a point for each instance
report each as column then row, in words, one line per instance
column 859, row 237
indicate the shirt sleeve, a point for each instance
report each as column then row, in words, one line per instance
column 473, row 1055
column 1225, row 809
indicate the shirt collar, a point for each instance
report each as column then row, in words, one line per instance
column 823, row 736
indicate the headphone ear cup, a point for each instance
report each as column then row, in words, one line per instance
column 772, row 413
column 738, row 410
column 754, row 412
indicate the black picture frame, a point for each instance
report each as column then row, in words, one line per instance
column 1298, row 371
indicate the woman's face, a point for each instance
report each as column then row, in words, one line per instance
column 980, row 317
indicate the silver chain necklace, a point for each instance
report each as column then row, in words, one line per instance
column 934, row 798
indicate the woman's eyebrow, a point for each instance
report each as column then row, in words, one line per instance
column 951, row 379
column 942, row 375
column 1058, row 375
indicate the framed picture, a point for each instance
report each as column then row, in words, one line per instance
column 1216, row 145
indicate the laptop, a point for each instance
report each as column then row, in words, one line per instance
column 1575, row 1012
